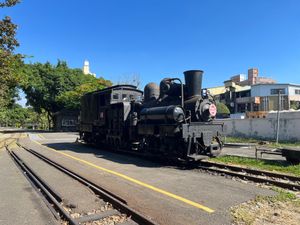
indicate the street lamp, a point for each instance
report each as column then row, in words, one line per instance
column 278, row 115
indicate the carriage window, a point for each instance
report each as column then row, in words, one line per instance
column 131, row 97
column 116, row 96
column 124, row 96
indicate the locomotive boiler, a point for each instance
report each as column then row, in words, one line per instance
column 173, row 120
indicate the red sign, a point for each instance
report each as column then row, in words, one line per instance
column 213, row 110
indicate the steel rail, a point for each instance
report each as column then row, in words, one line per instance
column 3, row 141
column 79, row 178
column 42, row 186
column 117, row 202
column 11, row 139
column 252, row 171
column 252, row 177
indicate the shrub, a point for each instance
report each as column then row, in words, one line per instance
column 222, row 109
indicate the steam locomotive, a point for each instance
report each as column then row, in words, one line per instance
column 173, row 120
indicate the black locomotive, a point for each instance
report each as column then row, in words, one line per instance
column 174, row 120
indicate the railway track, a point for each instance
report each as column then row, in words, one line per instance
column 54, row 201
column 9, row 140
column 3, row 142
column 258, row 176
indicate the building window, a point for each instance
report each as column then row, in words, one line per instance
column 297, row 91
column 68, row 123
column 275, row 91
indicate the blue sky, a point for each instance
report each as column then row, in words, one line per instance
column 162, row 38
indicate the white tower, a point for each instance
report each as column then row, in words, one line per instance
column 86, row 67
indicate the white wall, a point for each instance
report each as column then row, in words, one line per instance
column 292, row 89
column 265, row 90
column 266, row 128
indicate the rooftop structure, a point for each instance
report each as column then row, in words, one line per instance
column 253, row 78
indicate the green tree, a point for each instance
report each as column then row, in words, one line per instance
column 55, row 87
column 14, row 116
column 71, row 99
column 17, row 116
column 9, row 62
column 36, row 120
column 4, row 117
column 8, row 3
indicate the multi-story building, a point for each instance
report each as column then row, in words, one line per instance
column 267, row 95
column 261, row 94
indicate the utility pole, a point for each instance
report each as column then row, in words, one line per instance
column 278, row 115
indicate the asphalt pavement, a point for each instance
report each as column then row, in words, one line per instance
column 168, row 195
column 19, row 202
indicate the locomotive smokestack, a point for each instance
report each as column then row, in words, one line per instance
column 193, row 82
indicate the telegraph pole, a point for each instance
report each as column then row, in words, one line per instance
column 278, row 116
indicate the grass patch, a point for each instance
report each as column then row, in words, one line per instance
column 282, row 196
column 283, row 208
column 270, row 144
column 278, row 166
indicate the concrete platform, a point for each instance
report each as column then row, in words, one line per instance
column 19, row 202
column 168, row 195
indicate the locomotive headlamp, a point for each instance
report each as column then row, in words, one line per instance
column 204, row 93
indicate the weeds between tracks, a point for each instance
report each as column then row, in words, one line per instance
column 274, row 165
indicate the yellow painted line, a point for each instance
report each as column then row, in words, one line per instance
column 189, row 202
column 41, row 136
